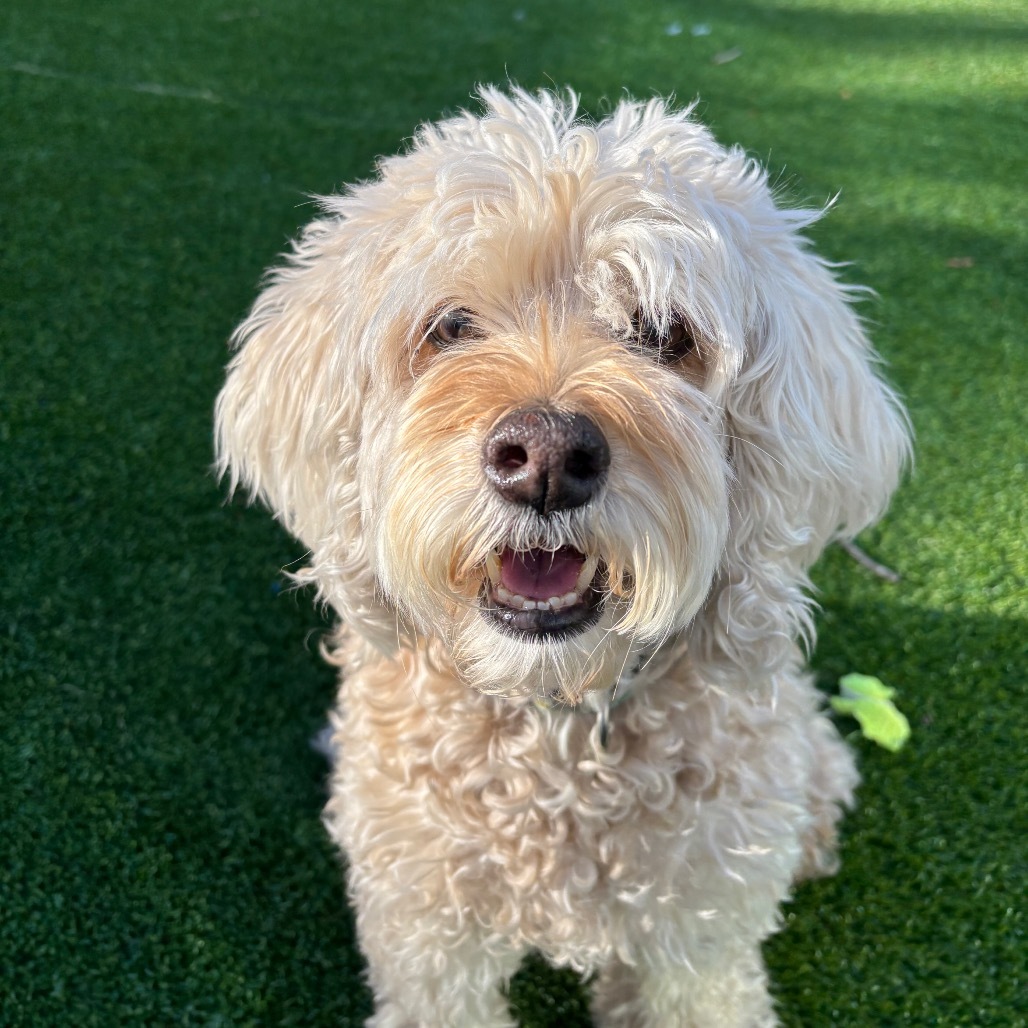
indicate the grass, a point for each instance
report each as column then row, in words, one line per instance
column 161, row 856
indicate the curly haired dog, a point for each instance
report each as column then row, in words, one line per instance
column 564, row 411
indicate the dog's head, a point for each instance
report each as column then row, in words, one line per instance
column 546, row 391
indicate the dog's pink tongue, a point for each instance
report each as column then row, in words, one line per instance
column 540, row 574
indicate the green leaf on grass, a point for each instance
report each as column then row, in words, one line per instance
column 869, row 700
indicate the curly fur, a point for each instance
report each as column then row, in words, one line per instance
column 478, row 822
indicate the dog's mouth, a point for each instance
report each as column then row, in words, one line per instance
column 542, row 593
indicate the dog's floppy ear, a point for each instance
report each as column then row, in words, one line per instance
column 818, row 433
column 818, row 441
column 287, row 421
column 273, row 435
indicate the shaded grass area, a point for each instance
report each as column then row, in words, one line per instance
column 161, row 856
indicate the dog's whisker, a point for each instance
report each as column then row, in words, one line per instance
column 305, row 556
column 749, row 442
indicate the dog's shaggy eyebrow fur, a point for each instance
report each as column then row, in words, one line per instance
column 479, row 811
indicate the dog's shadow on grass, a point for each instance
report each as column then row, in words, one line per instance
column 919, row 914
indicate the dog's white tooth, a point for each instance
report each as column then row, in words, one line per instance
column 569, row 599
column 492, row 568
column 502, row 595
column 585, row 576
column 517, row 601
column 556, row 602
column 529, row 605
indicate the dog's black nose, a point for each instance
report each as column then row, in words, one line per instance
column 547, row 460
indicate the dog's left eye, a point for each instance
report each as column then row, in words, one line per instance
column 452, row 327
column 674, row 343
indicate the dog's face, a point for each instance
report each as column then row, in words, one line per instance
column 558, row 483
column 540, row 386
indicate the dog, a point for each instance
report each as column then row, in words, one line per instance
column 564, row 411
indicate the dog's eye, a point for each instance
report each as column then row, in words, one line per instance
column 452, row 327
column 675, row 342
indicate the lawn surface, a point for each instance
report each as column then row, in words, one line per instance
column 161, row 856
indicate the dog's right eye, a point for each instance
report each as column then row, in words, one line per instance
column 673, row 344
column 452, row 327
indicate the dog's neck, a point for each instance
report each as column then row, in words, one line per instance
column 599, row 703
column 646, row 665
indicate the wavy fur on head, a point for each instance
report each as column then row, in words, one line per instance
column 483, row 809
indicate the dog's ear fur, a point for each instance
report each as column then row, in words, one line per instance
column 270, row 419
column 287, row 421
column 817, row 440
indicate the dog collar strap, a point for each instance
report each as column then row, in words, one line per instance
column 599, row 704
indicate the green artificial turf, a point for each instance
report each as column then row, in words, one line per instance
column 161, row 856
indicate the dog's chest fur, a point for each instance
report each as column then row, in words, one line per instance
column 516, row 819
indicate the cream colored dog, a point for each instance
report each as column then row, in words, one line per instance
column 564, row 411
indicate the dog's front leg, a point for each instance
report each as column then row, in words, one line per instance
column 431, row 974
column 730, row 992
column 416, row 877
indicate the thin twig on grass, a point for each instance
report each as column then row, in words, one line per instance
column 872, row 565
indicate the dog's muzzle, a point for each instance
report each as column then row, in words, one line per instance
column 549, row 461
